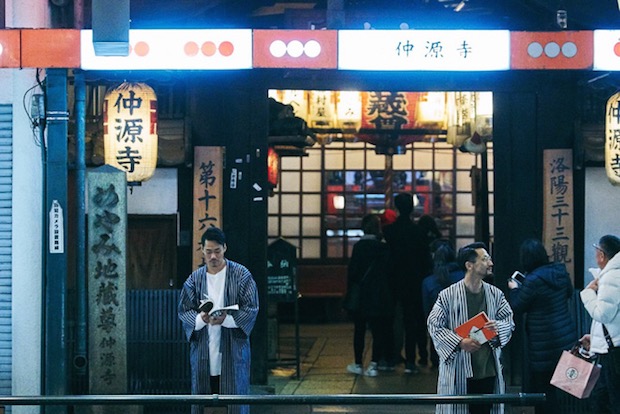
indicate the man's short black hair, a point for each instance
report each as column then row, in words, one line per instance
column 468, row 254
column 404, row 203
column 371, row 224
column 610, row 245
column 213, row 234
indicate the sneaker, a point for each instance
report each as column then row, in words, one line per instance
column 355, row 369
column 385, row 366
column 372, row 370
column 410, row 368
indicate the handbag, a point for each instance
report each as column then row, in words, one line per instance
column 353, row 298
column 575, row 374
column 613, row 352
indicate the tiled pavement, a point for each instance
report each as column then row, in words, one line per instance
column 326, row 350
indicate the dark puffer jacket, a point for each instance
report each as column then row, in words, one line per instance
column 376, row 292
column 549, row 327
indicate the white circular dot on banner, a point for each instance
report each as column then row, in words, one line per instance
column 569, row 49
column 552, row 49
column 295, row 48
column 1, row 49
column 534, row 49
column 277, row 48
column 312, row 48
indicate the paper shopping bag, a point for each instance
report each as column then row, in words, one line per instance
column 575, row 376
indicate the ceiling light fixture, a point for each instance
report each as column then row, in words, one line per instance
column 460, row 6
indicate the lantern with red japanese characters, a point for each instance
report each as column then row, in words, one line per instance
column 130, row 130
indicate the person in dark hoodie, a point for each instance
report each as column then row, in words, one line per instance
column 369, row 267
column 543, row 296
column 445, row 272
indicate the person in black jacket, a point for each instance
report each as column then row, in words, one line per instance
column 369, row 267
column 543, row 296
column 412, row 262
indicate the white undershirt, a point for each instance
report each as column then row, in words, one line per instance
column 215, row 287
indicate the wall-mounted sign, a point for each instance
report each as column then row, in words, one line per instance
column 612, row 139
column 551, row 50
column 208, row 193
column 56, row 228
column 175, row 49
column 10, row 50
column 606, row 50
column 50, row 48
column 130, row 130
column 558, row 207
column 437, row 50
column 308, row 49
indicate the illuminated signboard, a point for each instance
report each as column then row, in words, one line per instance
column 436, row 50
column 607, row 50
column 9, row 48
column 551, row 50
column 175, row 49
column 309, row 49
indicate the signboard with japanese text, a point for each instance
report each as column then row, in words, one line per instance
column 436, row 50
column 558, row 207
column 56, row 228
column 612, row 139
column 322, row 113
column 207, row 196
column 282, row 271
column 389, row 110
column 107, row 258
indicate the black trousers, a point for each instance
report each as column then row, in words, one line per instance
column 481, row 386
column 382, row 337
column 605, row 397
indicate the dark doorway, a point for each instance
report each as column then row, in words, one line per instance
column 151, row 252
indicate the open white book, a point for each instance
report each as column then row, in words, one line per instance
column 207, row 305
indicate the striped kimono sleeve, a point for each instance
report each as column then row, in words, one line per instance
column 499, row 310
column 243, row 293
column 189, row 300
column 439, row 324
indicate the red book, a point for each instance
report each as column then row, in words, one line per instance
column 473, row 329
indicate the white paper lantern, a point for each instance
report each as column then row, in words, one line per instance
column 612, row 139
column 130, row 130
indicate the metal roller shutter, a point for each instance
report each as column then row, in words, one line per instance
column 6, row 203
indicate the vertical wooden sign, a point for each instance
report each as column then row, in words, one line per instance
column 558, row 207
column 207, row 196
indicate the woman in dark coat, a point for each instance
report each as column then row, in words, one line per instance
column 369, row 266
column 549, row 329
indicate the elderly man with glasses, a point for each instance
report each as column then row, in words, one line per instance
column 601, row 299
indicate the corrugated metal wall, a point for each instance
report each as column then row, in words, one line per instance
column 6, row 203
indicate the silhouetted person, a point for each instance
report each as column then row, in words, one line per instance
column 411, row 263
